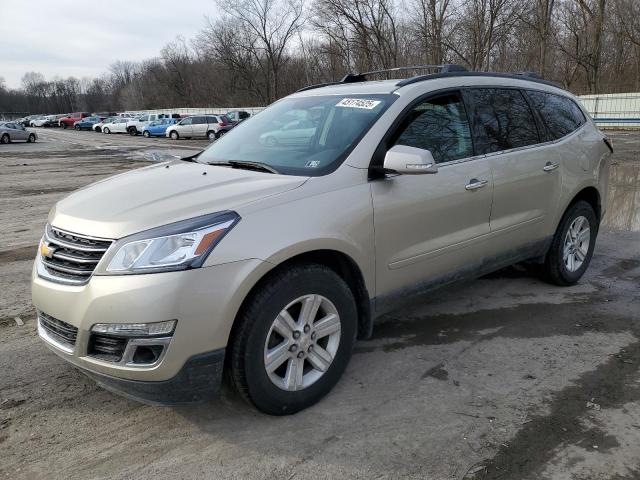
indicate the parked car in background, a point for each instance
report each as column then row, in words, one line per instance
column 157, row 128
column 38, row 121
column 136, row 125
column 119, row 125
column 236, row 116
column 97, row 127
column 54, row 120
column 25, row 121
column 69, row 120
column 12, row 132
column 199, row 126
column 86, row 123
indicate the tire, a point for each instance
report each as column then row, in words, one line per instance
column 254, row 331
column 97, row 129
column 5, row 139
column 31, row 139
column 211, row 135
column 561, row 266
column 77, row 128
column 133, row 131
column 174, row 135
column 106, row 130
column 146, row 134
column 64, row 126
column 221, row 133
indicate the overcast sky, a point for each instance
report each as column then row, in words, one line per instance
column 82, row 38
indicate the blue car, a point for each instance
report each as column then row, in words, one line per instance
column 157, row 128
column 87, row 123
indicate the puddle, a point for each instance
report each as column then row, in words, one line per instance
column 623, row 202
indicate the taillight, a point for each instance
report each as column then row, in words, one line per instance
column 221, row 124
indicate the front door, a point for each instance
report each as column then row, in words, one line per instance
column 429, row 228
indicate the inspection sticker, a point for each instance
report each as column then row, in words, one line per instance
column 358, row 103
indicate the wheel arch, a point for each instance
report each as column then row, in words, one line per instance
column 589, row 194
column 339, row 262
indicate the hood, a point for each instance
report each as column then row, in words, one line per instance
column 162, row 194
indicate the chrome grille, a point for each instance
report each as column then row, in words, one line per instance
column 74, row 256
column 58, row 330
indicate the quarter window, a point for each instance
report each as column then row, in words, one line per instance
column 501, row 119
column 560, row 114
column 440, row 126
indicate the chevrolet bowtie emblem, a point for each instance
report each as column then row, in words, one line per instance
column 46, row 251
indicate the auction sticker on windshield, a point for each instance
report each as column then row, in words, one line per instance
column 358, row 103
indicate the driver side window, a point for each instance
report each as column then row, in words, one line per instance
column 439, row 125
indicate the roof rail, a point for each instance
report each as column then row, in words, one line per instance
column 362, row 77
column 528, row 74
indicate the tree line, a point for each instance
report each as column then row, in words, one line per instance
column 257, row 51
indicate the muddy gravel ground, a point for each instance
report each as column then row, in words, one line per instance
column 503, row 377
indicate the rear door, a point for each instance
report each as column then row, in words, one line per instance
column 199, row 126
column 430, row 228
column 525, row 175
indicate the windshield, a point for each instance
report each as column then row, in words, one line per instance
column 307, row 136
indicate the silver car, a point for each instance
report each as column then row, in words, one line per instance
column 199, row 126
column 267, row 260
column 12, row 132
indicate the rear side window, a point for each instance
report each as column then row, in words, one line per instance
column 501, row 120
column 440, row 126
column 560, row 115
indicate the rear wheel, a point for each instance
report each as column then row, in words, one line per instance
column 106, row 130
column 133, row 131
column 77, row 127
column 32, row 138
column 221, row 133
column 174, row 135
column 64, row 126
column 572, row 246
column 5, row 139
column 97, row 129
column 294, row 339
column 211, row 135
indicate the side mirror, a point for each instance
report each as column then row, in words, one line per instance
column 409, row 161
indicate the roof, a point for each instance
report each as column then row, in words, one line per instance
column 397, row 85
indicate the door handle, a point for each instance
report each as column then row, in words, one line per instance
column 475, row 184
column 550, row 166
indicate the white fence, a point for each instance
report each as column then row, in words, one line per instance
column 197, row 111
column 616, row 110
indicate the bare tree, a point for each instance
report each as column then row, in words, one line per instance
column 272, row 24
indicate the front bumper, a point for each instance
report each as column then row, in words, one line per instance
column 204, row 301
column 198, row 380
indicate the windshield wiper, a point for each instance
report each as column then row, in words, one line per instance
column 257, row 166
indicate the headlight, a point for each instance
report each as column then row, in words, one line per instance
column 177, row 246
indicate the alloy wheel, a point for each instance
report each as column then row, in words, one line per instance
column 302, row 342
column 576, row 244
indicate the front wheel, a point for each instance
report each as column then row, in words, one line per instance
column 32, row 138
column 106, row 130
column 133, row 132
column 64, row 126
column 146, row 134
column 572, row 245
column 174, row 135
column 77, row 128
column 5, row 139
column 293, row 339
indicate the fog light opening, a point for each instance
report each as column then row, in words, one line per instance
column 147, row 354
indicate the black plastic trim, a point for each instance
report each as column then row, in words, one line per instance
column 199, row 380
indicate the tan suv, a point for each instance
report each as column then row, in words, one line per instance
column 268, row 259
